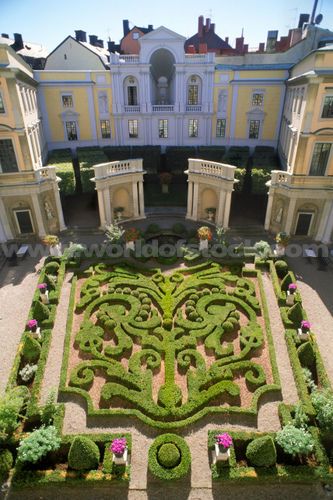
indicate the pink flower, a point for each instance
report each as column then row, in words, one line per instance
column 32, row 323
column 292, row 286
column 118, row 446
column 224, row 440
column 305, row 325
column 42, row 286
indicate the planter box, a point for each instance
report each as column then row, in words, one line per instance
column 221, row 455
column 45, row 297
column 37, row 334
column 279, row 250
column 290, row 298
column 203, row 245
column 120, row 459
column 303, row 335
column 130, row 245
column 55, row 250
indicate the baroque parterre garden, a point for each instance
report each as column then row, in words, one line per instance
column 165, row 350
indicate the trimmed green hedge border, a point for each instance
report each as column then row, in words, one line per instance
column 179, row 470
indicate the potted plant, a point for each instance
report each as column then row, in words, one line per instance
column 291, row 294
column 204, row 235
column 44, row 294
column 131, row 235
column 119, row 451
column 118, row 211
column 211, row 211
column 223, row 442
column 282, row 240
column 165, row 179
column 34, row 328
column 52, row 241
column 304, row 331
column 113, row 233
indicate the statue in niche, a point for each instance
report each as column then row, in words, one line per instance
column 103, row 103
column 162, row 85
column 222, row 102
column 48, row 210
column 279, row 215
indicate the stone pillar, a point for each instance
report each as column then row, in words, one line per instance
column 135, row 199
column 101, row 207
column 62, row 226
column 38, row 214
column 141, row 200
column 107, row 205
column 5, row 222
column 290, row 215
column 269, row 210
column 227, row 206
column 189, row 200
column 195, row 201
column 323, row 220
column 329, row 227
column 220, row 208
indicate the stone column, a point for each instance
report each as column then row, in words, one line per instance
column 195, row 201
column 326, row 238
column 62, row 225
column 227, row 206
column 141, row 200
column 5, row 222
column 189, row 200
column 101, row 207
column 107, row 205
column 135, row 199
column 38, row 215
column 290, row 215
column 269, row 210
column 323, row 220
column 220, row 208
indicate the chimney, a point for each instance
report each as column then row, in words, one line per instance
column 18, row 42
column 126, row 29
column 303, row 18
column 80, row 36
column 111, row 46
column 93, row 40
column 246, row 48
column 271, row 41
column 200, row 26
column 226, row 40
column 202, row 48
column 207, row 27
column 4, row 35
column 150, row 27
column 240, row 44
column 212, row 27
column 100, row 43
column 262, row 47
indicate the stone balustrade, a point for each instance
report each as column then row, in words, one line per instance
column 281, row 178
column 28, row 176
column 211, row 168
column 105, row 170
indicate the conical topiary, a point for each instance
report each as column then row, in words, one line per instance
column 41, row 312
column 83, row 454
column 287, row 280
column 31, row 349
column 306, row 355
column 295, row 314
column 261, row 452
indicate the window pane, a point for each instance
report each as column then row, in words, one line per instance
column 193, row 95
column 24, row 221
column 133, row 128
column 328, row 107
column 254, row 129
column 257, row 99
column 71, row 131
column 320, row 157
column 67, row 101
column 163, row 129
column 8, row 161
column 105, row 129
column 193, row 128
column 2, row 105
column 132, row 96
column 220, row 128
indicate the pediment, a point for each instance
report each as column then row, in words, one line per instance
column 162, row 33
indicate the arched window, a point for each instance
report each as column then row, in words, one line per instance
column 193, row 90
column 131, row 91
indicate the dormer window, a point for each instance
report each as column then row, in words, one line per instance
column 135, row 35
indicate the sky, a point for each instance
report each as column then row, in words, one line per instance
column 50, row 21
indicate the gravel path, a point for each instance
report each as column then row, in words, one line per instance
column 18, row 285
column 289, row 391
column 51, row 377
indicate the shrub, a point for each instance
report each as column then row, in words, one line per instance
column 41, row 312
column 48, row 411
column 322, row 401
column 259, row 177
column 169, row 457
column 11, row 405
column 38, row 444
column 83, row 454
column 261, row 452
column 287, row 280
column 6, row 462
column 153, row 229
column 301, row 419
column 27, row 372
column 295, row 441
column 281, row 268
column 52, row 267
column 31, row 349
column 306, row 355
column 295, row 313
column 179, row 228
column 263, row 249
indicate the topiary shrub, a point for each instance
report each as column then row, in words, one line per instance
column 6, row 462
column 261, row 452
column 41, row 312
column 287, row 280
column 179, row 228
column 169, row 457
column 52, row 268
column 153, row 229
column 295, row 314
column 322, row 401
column 50, row 281
column 281, row 267
column 306, row 355
column 31, row 349
column 83, row 454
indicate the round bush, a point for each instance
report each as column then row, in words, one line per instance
column 193, row 315
column 168, row 455
column 146, row 300
column 83, row 454
column 194, row 297
column 179, row 228
column 153, row 229
column 52, row 267
column 281, row 268
column 169, row 462
column 261, row 452
column 6, row 462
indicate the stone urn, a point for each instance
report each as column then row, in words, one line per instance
column 120, row 458
column 55, row 250
column 203, row 245
column 222, row 454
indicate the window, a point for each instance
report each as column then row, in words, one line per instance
column 105, row 129
column 135, row 35
column 163, row 129
column 257, row 99
column 67, row 101
column 220, row 128
column 254, row 129
column 2, row 105
column 132, row 96
column 328, row 107
column 300, row 102
column 24, row 222
column 71, row 131
column 193, row 128
column 8, row 161
column 192, row 95
column 320, row 157
column 133, row 128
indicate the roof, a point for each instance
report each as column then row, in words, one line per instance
column 212, row 40
column 101, row 52
column 34, row 50
column 253, row 67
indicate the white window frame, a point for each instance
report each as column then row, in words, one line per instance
column 328, row 159
column 193, row 127
column 259, row 129
column 77, row 130
column 100, row 125
column 225, row 127
column 164, row 120
column 258, row 92
column 4, row 112
column 67, row 94
column 321, row 117
column 17, row 222
column 304, row 212
column 137, row 129
column 16, row 157
column 135, row 35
